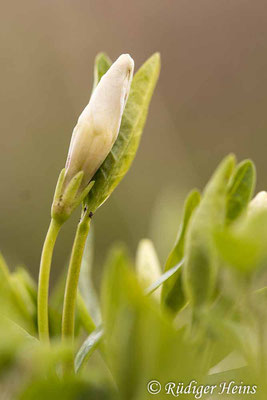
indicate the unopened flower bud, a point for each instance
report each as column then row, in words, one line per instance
column 147, row 265
column 99, row 123
column 259, row 202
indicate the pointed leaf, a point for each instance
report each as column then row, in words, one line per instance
column 28, row 281
column 173, row 295
column 201, row 262
column 164, row 278
column 241, row 187
column 12, row 299
column 88, row 347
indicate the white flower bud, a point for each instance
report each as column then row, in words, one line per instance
column 99, row 123
column 148, row 265
column 259, row 202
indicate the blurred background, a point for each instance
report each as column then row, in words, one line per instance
column 211, row 99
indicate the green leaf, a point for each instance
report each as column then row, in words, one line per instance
column 237, row 375
column 87, row 348
column 14, row 341
column 261, row 293
column 102, row 65
column 85, row 318
column 147, row 264
column 173, row 295
column 118, row 256
column 163, row 278
column 28, row 281
column 86, row 286
column 124, row 149
column 241, row 188
column 15, row 331
column 201, row 263
column 15, row 300
column 23, row 295
column 137, row 330
column 243, row 245
column 72, row 388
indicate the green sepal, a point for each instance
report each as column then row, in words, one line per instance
column 67, row 199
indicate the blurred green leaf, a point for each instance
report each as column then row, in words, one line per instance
column 15, row 302
column 241, row 188
column 201, row 262
column 123, row 152
column 163, row 278
column 29, row 283
column 147, row 264
column 73, row 388
column 86, row 287
column 14, row 340
column 173, row 295
column 118, row 255
column 85, row 318
column 87, row 348
column 243, row 246
column 242, row 374
column 56, row 305
column 139, row 339
column 261, row 293
column 28, row 305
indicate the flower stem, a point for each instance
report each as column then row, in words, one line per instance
column 73, row 278
column 44, row 274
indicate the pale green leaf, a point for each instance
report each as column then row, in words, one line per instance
column 164, row 278
column 243, row 246
column 87, row 348
column 15, row 300
column 201, row 262
column 86, row 287
column 241, row 187
column 173, row 295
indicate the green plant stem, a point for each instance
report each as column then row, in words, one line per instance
column 44, row 274
column 73, row 278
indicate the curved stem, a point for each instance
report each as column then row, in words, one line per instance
column 44, row 274
column 73, row 278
